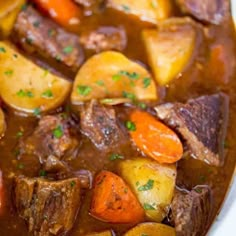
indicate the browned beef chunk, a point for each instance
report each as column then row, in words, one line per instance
column 202, row 123
column 210, row 11
column 105, row 38
column 49, row 207
column 55, row 135
column 191, row 211
column 39, row 35
column 100, row 125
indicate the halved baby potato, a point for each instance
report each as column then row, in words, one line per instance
column 152, row 183
column 110, row 75
column 170, row 48
column 8, row 13
column 2, row 123
column 25, row 86
column 151, row 229
column 147, row 10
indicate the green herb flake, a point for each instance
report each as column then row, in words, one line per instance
column 24, row 7
column 107, row 101
column 37, row 111
column 100, row 83
column 15, row 55
column 36, row 24
column 116, row 77
column 116, row 156
column 16, row 152
column 72, row 183
column 9, row 72
column 143, row 234
column 58, row 132
column 137, row 183
column 146, row 82
column 29, row 40
column 128, row 95
column 19, row 134
column 142, row 105
column 68, row 49
column 84, row 90
column 47, row 94
column 24, row 93
column 147, row 206
column 2, row 50
column 42, row 173
column 154, row 4
column 51, row 32
column 198, row 190
column 130, row 125
column 149, row 185
column 21, row 166
column 126, row 8
column 58, row 58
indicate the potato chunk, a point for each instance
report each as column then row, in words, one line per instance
column 112, row 75
column 153, row 184
column 170, row 48
column 26, row 87
column 8, row 13
column 147, row 10
column 2, row 123
column 151, row 229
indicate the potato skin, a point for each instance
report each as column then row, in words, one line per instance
column 25, row 86
column 151, row 229
column 153, row 184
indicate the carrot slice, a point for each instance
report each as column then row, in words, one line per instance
column 113, row 201
column 64, row 12
column 154, row 138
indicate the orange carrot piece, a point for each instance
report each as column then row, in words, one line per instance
column 64, row 12
column 154, row 138
column 113, row 201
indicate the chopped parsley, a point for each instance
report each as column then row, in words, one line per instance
column 58, row 58
column 100, row 83
column 9, row 72
column 58, row 132
column 37, row 111
column 133, row 75
column 116, row 77
column 143, row 234
column 47, row 94
column 198, row 190
column 126, row 8
column 84, row 90
column 20, row 166
column 42, row 173
column 68, row 49
column 19, row 134
column 149, row 185
column 51, row 32
column 72, row 183
column 2, row 49
column 147, row 206
column 154, row 4
column 130, row 125
column 142, row 105
column 116, row 156
column 24, row 93
column 128, row 95
column 146, row 82
column 29, row 40
column 36, row 24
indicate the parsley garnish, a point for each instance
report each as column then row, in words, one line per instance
column 100, row 83
column 147, row 206
column 51, row 32
column 37, row 111
column 72, row 183
column 8, row 72
column 47, row 94
column 116, row 77
column 130, row 125
column 146, row 82
column 128, row 95
column 21, row 166
column 84, row 90
column 116, row 156
column 42, row 173
column 58, row 132
column 68, row 49
column 36, row 24
column 19, row 134
column 147, row 186
column 25, row 93
column 2, row 49
column 125, row 8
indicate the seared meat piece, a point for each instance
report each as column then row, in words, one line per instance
column 191, row 211
column 105, row 38
column 55, row 135
column 202, row 123
column 49, row 207
column 210, row 11
column 99, row 124
column 39, row 35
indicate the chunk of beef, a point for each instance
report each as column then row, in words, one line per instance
column 100, row 125
column 39, row 35
column 208, row 11
column 191, row 211
column 49, row 207
column 105, row 38
column 55, row 135
column 202, row 123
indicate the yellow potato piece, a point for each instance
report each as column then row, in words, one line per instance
column 147, row 10
column 26, row 87
column 112, row 75
column 8, row 13
column 105, row 233
column 2, row 123
column 170, row 48
column 151, row 229
column 152, row 183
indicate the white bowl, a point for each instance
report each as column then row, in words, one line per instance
column 225, row 221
